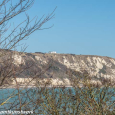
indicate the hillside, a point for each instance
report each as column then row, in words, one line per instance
column 62, row 66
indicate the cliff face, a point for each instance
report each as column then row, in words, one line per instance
column 62, row 66
column 98, row 66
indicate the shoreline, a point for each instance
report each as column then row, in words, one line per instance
column 31, row 86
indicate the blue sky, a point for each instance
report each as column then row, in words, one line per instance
column 84, row 27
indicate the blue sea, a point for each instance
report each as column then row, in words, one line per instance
column 40, row 99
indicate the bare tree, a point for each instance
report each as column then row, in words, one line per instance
column 9, row 40
column 8, row 10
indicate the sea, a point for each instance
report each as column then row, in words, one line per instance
column 41, row 99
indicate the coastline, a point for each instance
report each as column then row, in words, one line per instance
column 32, row 86
column 48, row 83
column 42, row 86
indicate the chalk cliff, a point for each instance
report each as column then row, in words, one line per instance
column 62, row 66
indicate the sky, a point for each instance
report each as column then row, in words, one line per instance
column 85, row 27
